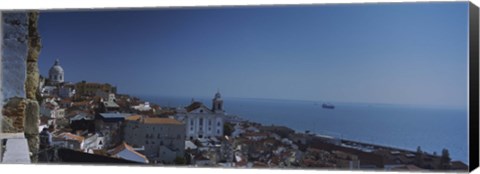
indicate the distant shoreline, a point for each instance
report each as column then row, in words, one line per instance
column 443, row 107
column 343, row 139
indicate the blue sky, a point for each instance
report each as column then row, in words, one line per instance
column 403, row 53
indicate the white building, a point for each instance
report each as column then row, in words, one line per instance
column 163, row 138
column 110, row 105
column 202, row 122
column 56, row 74
column 48, row 91
column 70, row 141
column 142, row 107
column 51, row 110
column 66, row 91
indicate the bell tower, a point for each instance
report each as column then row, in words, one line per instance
column 217, row 103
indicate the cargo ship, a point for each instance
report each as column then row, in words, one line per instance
column 328, row 106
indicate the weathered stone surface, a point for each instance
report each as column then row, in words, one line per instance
column 14, row 110
column 33, row 146
column 34, row 46
column 20, row 76
column 31, row 84
column 33, row 37
column 14, row 54
column 7, row 125
column 31, row 127
column 32, row 113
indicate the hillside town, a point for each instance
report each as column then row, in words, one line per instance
column 92, row 122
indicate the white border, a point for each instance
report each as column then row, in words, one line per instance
column 91, row 4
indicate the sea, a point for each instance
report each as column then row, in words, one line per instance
column 400, row 126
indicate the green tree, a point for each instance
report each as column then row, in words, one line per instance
column 445, row 160
column 419, row 157
column 227, row 129
column 180, row 160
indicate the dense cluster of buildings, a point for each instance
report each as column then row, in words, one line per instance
column 92, row 118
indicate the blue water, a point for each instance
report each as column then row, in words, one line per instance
column 393, row 125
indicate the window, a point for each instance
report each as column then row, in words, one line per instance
column 201, row 110
column 191, row 122
column 218, row 131
column 146, row 142
column 158, row 136
column 218, row 124
column 201, row 121
column 209, row 122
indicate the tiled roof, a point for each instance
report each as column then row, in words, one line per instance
column 133, row 118
column 409, row 167
column 66, row 100
column 193, row 106
column 259, row 164
column 110, row 104
column 459, row 165
column 69, row 136
column 81, row 116
column 124, row 146
column 161, row 121
column 114, row 115
column 121, row 147
column 83, row 103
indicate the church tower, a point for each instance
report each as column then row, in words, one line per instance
column 56, row 74
column 217, row 103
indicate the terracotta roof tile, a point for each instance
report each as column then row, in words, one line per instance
column 193, row 106
column 161, row 121
column 133, row 118
column 69, row 136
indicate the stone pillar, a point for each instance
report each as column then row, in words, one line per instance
column 32, row 119
column 31, row 128
column 20, row 76
column 34, row 46
column 14, row 54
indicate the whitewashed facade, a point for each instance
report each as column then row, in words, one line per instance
column 202, row 122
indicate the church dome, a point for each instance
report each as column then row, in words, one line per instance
column 56, row 68
column 56, row 74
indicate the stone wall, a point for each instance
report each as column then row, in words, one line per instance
column 14, row 54
column 20, row 76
